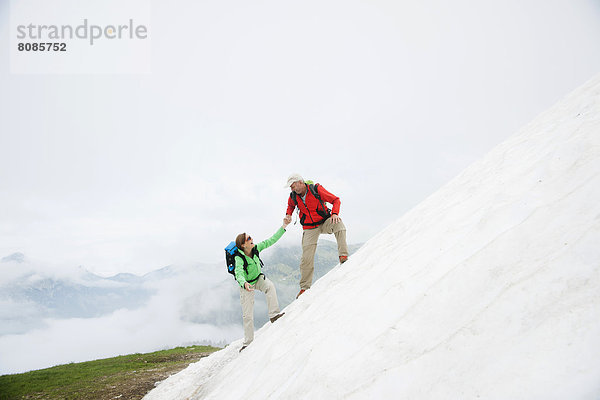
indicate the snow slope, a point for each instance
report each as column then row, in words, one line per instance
column 488, row 289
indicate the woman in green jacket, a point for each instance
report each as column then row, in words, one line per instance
column 251, row 278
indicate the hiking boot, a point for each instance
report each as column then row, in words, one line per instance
column 275, row 318
column 243, row 347
column 343, row 259
column 300, row 292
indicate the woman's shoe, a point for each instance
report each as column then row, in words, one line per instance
column 275, row 318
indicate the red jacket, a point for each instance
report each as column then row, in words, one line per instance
column 310, row 209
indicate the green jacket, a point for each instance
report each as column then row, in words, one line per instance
column 254, row 269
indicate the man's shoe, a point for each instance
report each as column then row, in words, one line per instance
column 300, row 292
column 243, row 347
column 343, row 259
column 275, row 318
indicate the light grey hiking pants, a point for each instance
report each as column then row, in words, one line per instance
column 310, row 237
column 247, row 299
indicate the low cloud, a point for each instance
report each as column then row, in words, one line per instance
column 190, row 305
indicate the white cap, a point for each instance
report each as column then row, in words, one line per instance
column 293, row 178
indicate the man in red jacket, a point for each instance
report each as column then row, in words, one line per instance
column 316, row 218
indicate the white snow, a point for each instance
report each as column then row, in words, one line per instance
column 488, row 289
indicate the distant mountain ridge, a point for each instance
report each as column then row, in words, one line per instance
column 30, row 298
column 34, row 295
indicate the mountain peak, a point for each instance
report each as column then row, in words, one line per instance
column 15, row 257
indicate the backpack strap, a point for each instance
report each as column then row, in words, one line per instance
column 240, row 255
column 293, row 196
column 325, row 213
column 255, row 251
column 314, row 189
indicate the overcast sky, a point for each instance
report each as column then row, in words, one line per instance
column 380, row 101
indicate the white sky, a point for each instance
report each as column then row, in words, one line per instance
column 380, row 101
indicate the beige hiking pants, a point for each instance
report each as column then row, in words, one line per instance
column 247, row 299
column 310, row 238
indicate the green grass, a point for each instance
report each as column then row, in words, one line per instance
column 129, row 376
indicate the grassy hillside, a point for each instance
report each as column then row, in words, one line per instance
column 123, row 377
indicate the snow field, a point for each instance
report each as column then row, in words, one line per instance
column 490, row 288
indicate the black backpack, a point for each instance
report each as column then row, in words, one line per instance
column 313, row 187
column 231, row 251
